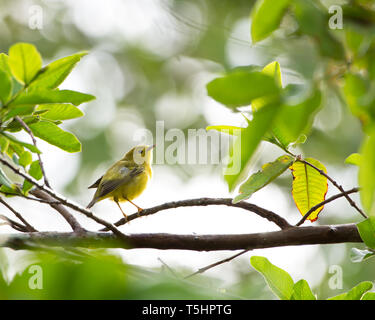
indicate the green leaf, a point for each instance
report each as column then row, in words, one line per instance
column 355, row 293
column 22, row 110
column 47, row 96
column 273, row 70
column 36, row 172
column 357, row 255
column 309, row 187
column 356, row 87
column 368, row 296
column 302, row 291
column 56, row 136
column 280, row 282
column 15, row 126
column 354, row 159
column 24, row 61
column 16, row 148
column 245, row 144
column 56, row 72
column 366, row 230
column 300, row 140
column 5, row 87
column 25, row 159
column 232, row 130
column 312, row 19
column 29, row 146
column 4, row 143
column 294, row 120
column 59, row 111
column 367, row 173
column 4, row 64
column 240, row 88
column 266, row 17
column 269, row 172
column 4, row 180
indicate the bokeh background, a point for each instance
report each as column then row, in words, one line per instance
column 150, row 60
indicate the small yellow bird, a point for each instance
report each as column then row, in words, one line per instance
column 126, row 179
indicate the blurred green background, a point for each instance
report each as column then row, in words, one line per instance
column 150, row 60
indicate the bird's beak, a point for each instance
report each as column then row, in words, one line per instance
column 150, row 148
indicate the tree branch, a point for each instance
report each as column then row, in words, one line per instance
column 269, row 215
column 289, row 237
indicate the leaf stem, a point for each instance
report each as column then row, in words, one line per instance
column 312, row 209
column 28, row 130
column 352, row 203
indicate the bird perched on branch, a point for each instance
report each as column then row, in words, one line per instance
column 126, row 179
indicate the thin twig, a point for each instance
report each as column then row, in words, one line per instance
column 29, row 198
column 312, row 209
column 264, row 213
column 29, row 227
column 168, row 267
column 213, row 265
column 352, row 203
column 63, row 200
column 14, row 224
column 28, row 130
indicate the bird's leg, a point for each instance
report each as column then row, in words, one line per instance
column 138, row 208
column 124, row 214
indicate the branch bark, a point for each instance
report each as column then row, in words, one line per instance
column 264, row 213
column 294, row 236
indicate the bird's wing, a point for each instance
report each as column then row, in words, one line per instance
column 96, row 183
column 111, row 185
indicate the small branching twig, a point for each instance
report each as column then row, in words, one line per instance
column 352, row 203
column 339, row 195
column 28, row 226
column 213, row 265
column 14, row 224
column 28, row 130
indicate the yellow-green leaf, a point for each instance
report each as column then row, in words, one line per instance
column 366, row 174
column 232, row 130
column 279, row 281
column 56, row 72
column 266, row 17
column 355, row 293
column 269, row 172
column 354, row 159
column 309, row 186
column 272, row 69
column 24, row 61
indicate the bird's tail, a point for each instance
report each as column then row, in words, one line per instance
column 92, row 202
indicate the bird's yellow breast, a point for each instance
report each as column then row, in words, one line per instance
column 133, row 188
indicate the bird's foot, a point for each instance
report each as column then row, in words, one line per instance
column 139, row 210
